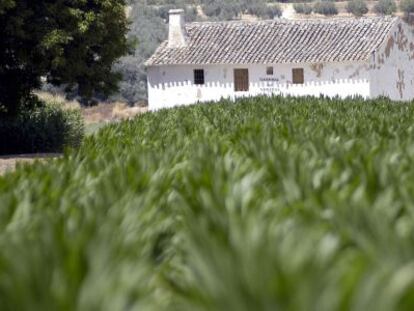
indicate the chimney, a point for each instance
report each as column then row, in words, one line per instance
column 177, row 37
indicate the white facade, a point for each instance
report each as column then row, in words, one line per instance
column 389, row 72
column 170, row 86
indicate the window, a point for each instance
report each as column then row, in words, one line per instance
column 269, row 71
column 241, row 80
column 297, row 76
column 199, row 76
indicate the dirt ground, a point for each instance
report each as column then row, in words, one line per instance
column 109, row 112
column 8, row 163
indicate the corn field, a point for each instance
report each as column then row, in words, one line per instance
column 263, row 204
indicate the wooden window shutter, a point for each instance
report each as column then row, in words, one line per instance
column 241, row 80
column 298, row 76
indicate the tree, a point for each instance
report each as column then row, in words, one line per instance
column 222, row 10
column 66, row 42
column 325, row 8
column 385, row 7
column 407, row 6
column 357, row 7
column 302, row 8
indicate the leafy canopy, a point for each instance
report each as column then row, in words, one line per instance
column 385, row 7
column 357, row 7
column 67, row 42
column 407, row 6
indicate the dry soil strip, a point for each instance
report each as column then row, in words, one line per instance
column 8, row 163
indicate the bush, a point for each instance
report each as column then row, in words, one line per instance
column 232, row 9
column 260, row 9
column 46, row 127
column 302, row 8
column 222, row 10
column 325, row 8
column 273, row 11
column 357, row 7
column 385, row 7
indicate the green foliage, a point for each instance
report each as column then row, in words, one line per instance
column 260, row 9
column 303, row 8
column 232, row 9
column 407, row 6
column 325, row 8
column 385, row 7
column 357, row 7
column 41, row 127
column 72, row 43
column 6, row 5
column 222, row 11
column 263, row 204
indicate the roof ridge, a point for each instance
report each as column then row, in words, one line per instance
column 297, row 21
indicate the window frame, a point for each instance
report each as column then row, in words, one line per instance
column 298, row 79
column 199, row 77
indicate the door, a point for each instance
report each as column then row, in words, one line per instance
column 241, row 80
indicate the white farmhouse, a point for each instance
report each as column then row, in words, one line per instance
column 199, row 62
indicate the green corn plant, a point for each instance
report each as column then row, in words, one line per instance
column 262, row 204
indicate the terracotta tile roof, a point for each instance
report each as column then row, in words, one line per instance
column 277, row 41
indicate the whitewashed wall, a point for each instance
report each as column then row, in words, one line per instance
column 392, row 66
column 173, row 85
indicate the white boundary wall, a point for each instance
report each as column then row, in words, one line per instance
column 169, row 86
